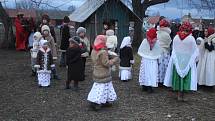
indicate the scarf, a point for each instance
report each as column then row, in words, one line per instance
column 184, row 30
column 151, row 36
column 100, row 43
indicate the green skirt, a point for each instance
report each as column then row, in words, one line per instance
column 181, row 84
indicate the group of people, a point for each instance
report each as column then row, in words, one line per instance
column 180, row 63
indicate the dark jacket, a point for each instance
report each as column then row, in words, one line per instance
column 209, row 47
column 65, row 35
column 75, row 64
column 41, row 57
column 126, row 56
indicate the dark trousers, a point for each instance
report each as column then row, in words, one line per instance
column 62, row 59
column 84, row 65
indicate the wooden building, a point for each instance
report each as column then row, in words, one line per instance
column 93, row 13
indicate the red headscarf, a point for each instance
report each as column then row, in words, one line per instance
column 151, row 36
column 210, row 31
column 185, row 30
column 164, row 23
column 100, row 43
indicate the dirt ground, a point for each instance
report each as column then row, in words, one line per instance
column 22, row 100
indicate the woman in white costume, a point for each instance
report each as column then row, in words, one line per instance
column 163, row 35
column 181, row 73
column 150, row 52
column 206, row 66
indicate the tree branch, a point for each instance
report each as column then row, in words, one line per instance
column 148, row 3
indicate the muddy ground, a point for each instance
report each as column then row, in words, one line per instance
column 22, row 100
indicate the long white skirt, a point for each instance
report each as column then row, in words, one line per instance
column 206, row 69
column 125, row 73
column 102, row 93
column 148, row 72
column 162, row 66
column 44, row 77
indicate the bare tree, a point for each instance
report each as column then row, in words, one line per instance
column 140, row 8
column 24, row 4
column 71, row 8
column 8, row 40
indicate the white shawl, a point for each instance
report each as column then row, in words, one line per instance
column 144, row 50
column 184, row 54
column 163, row 35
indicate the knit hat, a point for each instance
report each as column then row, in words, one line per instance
column 164, row 23
column 45, row 27
column 20, row 13
column 80, row 30
column 37, row 36
column 75, row 39
column 110, row 32
column 46, row 17
column 66, row 19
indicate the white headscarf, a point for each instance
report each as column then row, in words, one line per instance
column 126, row 42
column 43, row 42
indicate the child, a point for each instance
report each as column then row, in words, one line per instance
column 163, row 35
column 150, row 52
column 102, row 91
column 74, row 63
column 44, row 64
column 111, row 40
column 81, row 32
column 181, row 73
column 111, row 44
column 36, row 46
column 47, row 36
column 126, row 60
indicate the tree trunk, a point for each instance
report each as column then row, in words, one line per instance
column 138, row 35
column 140, row 8
column 8, row 39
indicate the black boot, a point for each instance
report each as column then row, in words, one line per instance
column 33, row 74
column 95, row 106
column 54, row 73
column 68, row 84
column 76, row 87
column 150, row 90
column 144, row 88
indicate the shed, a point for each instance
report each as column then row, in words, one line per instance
column 93, row 13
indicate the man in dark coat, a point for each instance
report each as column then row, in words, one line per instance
column 65, row 35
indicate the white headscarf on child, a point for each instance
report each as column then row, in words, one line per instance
column 126, row 42
column 37, row 36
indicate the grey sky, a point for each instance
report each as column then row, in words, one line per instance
column 172, row 9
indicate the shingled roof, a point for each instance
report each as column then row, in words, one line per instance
column 88, row 8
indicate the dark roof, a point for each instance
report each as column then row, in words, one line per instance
column 89, row 7
column 54, row 14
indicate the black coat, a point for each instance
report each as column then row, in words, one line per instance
column 41, row 58
column 65, row 35
column 126, row 55
column 209, row 47
column 75, row 64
